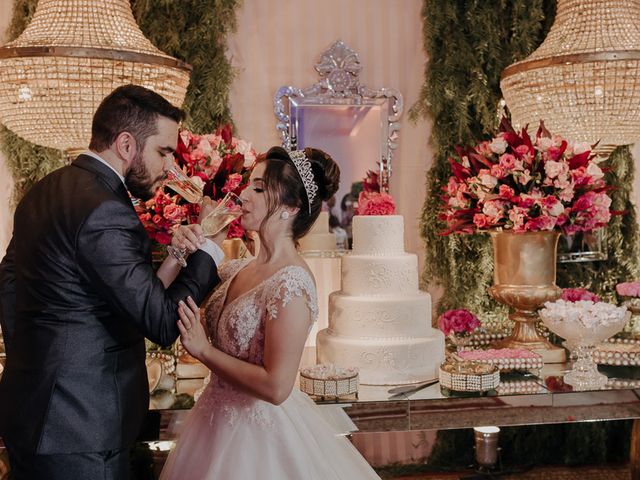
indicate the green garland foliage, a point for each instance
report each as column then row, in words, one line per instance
column 193, row 30
column 27, row 162
column 468, row 44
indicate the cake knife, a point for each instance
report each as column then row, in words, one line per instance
column 411, row 388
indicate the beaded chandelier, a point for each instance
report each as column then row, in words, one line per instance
column 584, row 80
column 71, row 55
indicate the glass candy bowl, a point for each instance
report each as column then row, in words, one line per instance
column 583, row 325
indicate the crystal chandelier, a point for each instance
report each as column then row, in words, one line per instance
column 71, row 55
column 584, row 80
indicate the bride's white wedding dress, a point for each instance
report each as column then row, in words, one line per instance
column 230, row 434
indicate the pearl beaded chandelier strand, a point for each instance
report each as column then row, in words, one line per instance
column 71, row 55
column 584, row 80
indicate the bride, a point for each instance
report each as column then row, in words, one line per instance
column 250, row 421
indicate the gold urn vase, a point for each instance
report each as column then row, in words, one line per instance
column 524, row 277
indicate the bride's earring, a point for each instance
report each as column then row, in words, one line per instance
column 284, row 215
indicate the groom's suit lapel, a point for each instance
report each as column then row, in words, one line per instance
column 108, row 176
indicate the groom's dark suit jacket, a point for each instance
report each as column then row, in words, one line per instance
column 78, row 297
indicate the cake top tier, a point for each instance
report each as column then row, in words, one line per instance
column 378, row 234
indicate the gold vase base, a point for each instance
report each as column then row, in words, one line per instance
column 549, row 352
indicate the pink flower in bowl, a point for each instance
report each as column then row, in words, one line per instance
column 578, row 294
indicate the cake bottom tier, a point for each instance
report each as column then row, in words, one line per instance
column 384, row 361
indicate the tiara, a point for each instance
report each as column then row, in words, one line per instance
column 303, row 166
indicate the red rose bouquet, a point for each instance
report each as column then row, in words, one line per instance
column 524, row 184
column 218, row 161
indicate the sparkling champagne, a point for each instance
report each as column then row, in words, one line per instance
column 186, row 189
column 216, row 221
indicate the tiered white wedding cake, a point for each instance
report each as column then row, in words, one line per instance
column 319, row 238
column 380, row 321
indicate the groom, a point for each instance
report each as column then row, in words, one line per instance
column 78, row 296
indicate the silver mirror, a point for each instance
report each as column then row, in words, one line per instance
column 354, row 124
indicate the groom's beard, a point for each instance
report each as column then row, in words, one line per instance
column 139, row 182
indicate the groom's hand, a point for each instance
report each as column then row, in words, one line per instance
column 188, row 237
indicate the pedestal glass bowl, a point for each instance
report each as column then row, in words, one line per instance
column 583, row 325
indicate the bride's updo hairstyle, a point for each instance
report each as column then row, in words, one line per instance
column 284, row 185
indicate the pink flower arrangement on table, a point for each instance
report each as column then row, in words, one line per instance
column 579, row 294
column 524, row 184
column 219, row 162
column 628, row 289
column 458, row 322
column 371, row 201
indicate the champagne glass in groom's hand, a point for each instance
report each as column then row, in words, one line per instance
column 183, row 185
column 229, row 208
column 192, row 192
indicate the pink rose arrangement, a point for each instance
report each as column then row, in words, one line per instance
column 375, row 203
column 459, row 321
column 371, row 201
column 579, row 294
column 218, row 161
column 524, row 184
column 162, row 214
column 628, row 289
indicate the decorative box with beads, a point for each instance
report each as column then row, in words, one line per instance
column 520, row 387
column 618, row 352
column 506, row 359
column 328, row 380
column 469, row 376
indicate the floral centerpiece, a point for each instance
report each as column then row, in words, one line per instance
column 524, row 184
column 457, row 325
column 524, row 191
column 371, row 200
column 219, row 161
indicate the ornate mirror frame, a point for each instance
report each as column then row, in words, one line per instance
column 339, row 86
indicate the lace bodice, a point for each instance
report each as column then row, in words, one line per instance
column 239, row 329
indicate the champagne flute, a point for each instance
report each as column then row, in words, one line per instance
column 183, row 185
column 192, row 192
column 229, row 208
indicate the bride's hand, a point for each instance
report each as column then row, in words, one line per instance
column 206, row 207
column 192, row 335
column 188, row 237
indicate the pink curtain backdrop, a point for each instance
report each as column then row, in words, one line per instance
column 278, row 42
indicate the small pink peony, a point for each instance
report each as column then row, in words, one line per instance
column 628, row 289
column 458, row 321
column 578, row 294
column 374, row 203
